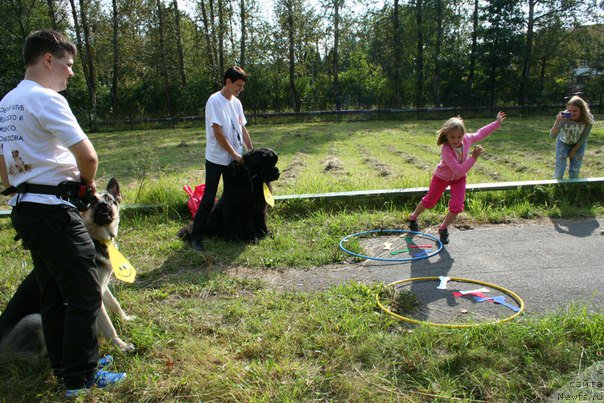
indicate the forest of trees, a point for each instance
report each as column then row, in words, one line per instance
column 163, row 58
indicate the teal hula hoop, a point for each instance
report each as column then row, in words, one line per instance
column 389, row 231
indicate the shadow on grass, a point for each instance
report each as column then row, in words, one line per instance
column 186, row 266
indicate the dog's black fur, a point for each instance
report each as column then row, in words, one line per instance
column 240, row 214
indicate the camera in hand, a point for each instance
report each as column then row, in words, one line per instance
column 566, row 114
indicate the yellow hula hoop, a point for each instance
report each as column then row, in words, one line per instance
column 518, row 300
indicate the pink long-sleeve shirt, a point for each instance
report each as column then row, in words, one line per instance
column 450, row 167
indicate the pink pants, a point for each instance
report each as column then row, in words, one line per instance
column 437, row 188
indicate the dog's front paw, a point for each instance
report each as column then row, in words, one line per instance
column 127, row 348
column 128, row 318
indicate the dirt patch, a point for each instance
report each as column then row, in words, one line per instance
column 494, row 175
column 332, row 164
column 517, row 167
column 291, row 172
column 381, row 168
column 411, row 159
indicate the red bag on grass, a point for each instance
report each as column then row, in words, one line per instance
column 194, row 197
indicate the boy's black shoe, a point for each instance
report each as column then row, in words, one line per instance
column 444, row 236
column 413, row 226
column 196, row 245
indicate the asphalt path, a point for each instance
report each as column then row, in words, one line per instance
column 549, row 264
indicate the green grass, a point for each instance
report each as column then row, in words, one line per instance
column 202, row 335
column 363, row 155
column 220, row 339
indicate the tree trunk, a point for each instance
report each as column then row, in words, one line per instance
column 243, row 33
column 51, row 14
column 437, row 56
column 89, row 55
column 472, row 68
column 207, row 29
column 181, row 57
column 162, row 56
column 219, row 67
column 528, row 53
column 398, row 55
column 419, row 66
column 221, row 34
column 76, row 27
column 336, row 42
column 116, row 58
column 292, row 66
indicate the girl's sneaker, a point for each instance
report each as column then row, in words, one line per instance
column 413, row 226
column 444, row 235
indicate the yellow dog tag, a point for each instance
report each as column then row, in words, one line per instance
column 122, row 268
column 268, row 196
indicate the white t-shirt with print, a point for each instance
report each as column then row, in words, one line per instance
column 228, row 114
column 570, row 131
column 37, row 127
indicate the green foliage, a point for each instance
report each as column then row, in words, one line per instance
column 377, row 67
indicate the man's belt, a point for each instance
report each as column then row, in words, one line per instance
column 9, row 191
column 40, row 189
column 75, row 192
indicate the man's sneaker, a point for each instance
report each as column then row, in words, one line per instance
column 444, row 236
column 413, row 226
column 105, row 361
column 100, row 379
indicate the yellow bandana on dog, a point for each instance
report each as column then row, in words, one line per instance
column 121, row 266
column 268, row 196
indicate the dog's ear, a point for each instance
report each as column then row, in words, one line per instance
column 270, row 156
column 113, row 187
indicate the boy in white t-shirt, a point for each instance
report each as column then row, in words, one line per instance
column 226, row 136
column 42, row 145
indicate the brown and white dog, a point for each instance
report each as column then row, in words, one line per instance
column 20, row 323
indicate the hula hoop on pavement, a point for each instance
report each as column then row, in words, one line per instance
column 416, row 253
column 518, row 302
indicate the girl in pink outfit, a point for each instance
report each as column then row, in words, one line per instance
column 452, row 169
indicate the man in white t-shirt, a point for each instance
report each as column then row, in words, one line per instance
column 226, row 136
column 42, row 145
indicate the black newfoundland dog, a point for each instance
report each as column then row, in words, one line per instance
column 240, row 214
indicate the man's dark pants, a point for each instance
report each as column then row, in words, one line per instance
column 63, row 256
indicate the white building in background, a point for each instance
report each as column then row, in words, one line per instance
column 583, row 74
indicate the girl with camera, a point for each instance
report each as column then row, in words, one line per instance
column 571, row 129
